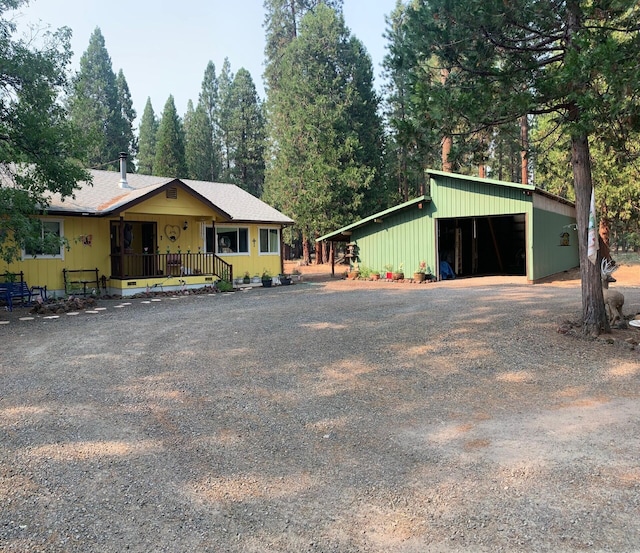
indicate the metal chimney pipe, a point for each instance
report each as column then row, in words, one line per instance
column 123, row 170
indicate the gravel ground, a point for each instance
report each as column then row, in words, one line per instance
column 321, row 418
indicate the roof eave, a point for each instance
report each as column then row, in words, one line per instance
column 341, row 235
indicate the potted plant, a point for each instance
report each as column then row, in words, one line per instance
column 266, row 278
column 354, row 272
column 246, row 279
column 285, row 280
column 388, row 271
column 421, row 273
column 375, row 275
column 399, row 274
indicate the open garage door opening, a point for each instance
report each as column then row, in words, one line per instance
column 481, row 246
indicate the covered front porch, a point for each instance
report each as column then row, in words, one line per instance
column 133, row 273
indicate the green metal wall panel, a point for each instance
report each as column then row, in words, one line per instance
column 406, row 237
column 462, row 198
column 550, row 255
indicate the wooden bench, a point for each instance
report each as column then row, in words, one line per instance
column 15, row 289
column 76, row 280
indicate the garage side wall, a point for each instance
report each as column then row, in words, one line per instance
column 405, row 237
column 554, row 239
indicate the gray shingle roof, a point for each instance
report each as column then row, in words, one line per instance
column 106, row 196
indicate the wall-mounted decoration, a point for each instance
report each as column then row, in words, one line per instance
column 86, row 239
column 172, row 232
column 565, row 239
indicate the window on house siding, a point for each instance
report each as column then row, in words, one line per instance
column 232, row 240
column 48, row 246
column 269, row 241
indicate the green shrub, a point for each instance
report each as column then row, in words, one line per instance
column 224, row 286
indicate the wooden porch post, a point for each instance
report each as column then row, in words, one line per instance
column 121, row 232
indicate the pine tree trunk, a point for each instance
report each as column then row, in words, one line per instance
column 605, row 231
column 524, row 156
column 594, row 317
column 447, row 141
column 319, row 252
column 306, row 255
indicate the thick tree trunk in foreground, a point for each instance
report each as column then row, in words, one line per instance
column 594, row 318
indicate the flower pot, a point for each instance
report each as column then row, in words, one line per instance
column 285, row 281
column 397, row 276
column 353, row 275
column 246, row 280
column 375, row 277
column 389, row 275
column 419, row 277
column 266, row 282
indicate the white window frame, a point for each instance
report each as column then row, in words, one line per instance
column 277, row 242
column 238, row 228
column 60, row 255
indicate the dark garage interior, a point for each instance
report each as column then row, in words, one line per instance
column 480, row 246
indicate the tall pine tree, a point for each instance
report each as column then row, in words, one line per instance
column 209, row 98
column 246, row 134
column 128, row 115
column 147, row 140
column 95, row 106
column 282, row 21
column 170, row 159
column 198, row 143
column 222, row 120
column 319, row 168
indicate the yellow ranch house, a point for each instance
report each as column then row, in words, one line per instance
column 128, row 233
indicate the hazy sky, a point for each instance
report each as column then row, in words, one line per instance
column 163, row 46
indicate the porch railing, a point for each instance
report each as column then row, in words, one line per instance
column 158, row 265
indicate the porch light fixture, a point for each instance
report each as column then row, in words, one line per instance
column 377, row 221
column 186, row 225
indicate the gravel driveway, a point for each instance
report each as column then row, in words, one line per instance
column 342, row 419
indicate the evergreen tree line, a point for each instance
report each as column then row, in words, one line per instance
column 221, row 138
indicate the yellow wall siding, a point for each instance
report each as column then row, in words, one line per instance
column 254, row 263
column 184, row 205
column 90, row 240
column 79, row 231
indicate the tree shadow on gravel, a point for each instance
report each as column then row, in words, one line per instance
column 320, row 421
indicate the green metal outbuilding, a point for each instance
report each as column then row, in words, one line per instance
column 478, row 226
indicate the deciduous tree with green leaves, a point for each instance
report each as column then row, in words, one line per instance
column 572, row 59
column 39, row 146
